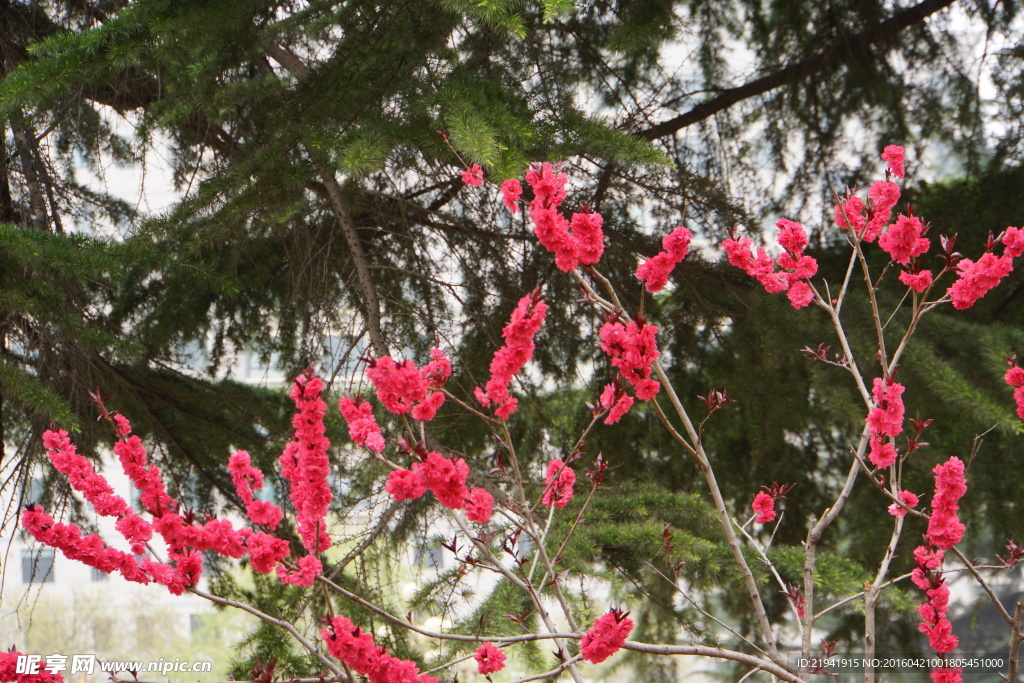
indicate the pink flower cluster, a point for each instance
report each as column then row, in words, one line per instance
column 893, row 155
column 95, row 489
column 944, row 527
column 526, row 321
column 511, row 191
column 977, row 278
column 654, row 271
column 489, row 659
column 362, row 425
column 616, row 401
column 473, row 176
column 1015, row 378
column 794, row 267
column 304, row 464
column 944, row 531
column 401, row 384
column 907, row 498
column 885, row 420
column 903, row 241
column 350, row 644
column 9, row 671
column 928, row 577
column 560, row 480
column 580, row 240
column 764, row 506
column 247, row 479
column 606, row 636
column 850, row 214
column 446, row 479
column 633, row 348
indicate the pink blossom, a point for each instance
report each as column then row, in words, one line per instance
column 95, row 489
column 246, row 479
column 511, row 191
column 654, row 271
column 548, row 185
column 903, row 240
column 849, row 215
column 606, row 636
column 893, row 154
column 884, row 196
column 803, row 267
column 1013, row 242
column 774, row 283
column 489, row 659
column 886, row 418
column 473, row 176
column 944, row 528
column 800, row 294
column 940, row 636
column 446, row 479
column 89, row 550
column 949, row 675
column 633, row 349
column 586, row 230
column 907, row 498
column 124, row 428
column 560, row 480
column 616, row 401
column 9, row 668
column 764, row 506
column 426, row 410
column 399, row 384
column 552, row 231
column 791, row 236
column 362, row 425
column 145, row 477
column 355, row 648
column 480, row 506
column 305, row 465
column 345, row 641
column 976, row 279
column 739, row 253
column 265, row 551
column 883, row 453
column 1015, row 376
column 305, row 575
column 404, row 485
column 526, row 321
column 917, row 281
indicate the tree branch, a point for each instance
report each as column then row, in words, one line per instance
column 836, row 53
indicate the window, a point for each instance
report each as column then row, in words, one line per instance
column 97, row 575
column 37, row 567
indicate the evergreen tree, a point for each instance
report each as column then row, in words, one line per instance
column 319, row 145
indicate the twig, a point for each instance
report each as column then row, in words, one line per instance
column 280, row 623
column 1015, row 640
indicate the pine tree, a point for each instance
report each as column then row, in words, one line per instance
column 321, row 144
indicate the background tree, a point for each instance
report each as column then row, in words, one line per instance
column 305, row 137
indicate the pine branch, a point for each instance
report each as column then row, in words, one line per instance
column 852, row 47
